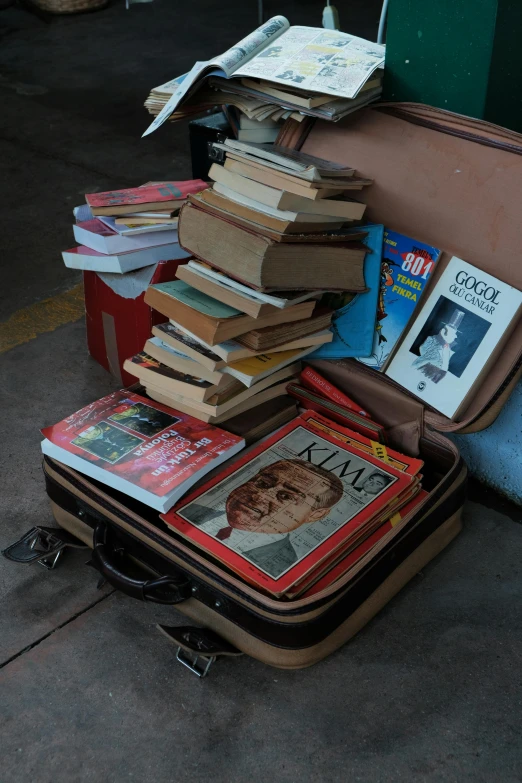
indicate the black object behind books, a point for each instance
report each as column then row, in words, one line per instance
column 202, row 133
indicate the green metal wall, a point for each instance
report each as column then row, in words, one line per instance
column 461, row 55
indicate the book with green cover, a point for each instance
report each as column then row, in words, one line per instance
column 186, row 294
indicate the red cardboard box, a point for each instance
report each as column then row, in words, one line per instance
column 118, row 320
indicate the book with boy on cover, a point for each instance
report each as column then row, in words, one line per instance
column 293, row 500
column 406, row 268
column 456, row 337
column 139, row 447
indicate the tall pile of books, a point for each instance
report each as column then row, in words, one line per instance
column 247, row 308
column 269, row 243
column 120, row 231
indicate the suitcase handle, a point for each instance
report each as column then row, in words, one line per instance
column 143, row 589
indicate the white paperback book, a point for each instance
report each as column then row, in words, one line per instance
column 457, row 335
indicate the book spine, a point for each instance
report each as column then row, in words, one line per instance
column 316, row 383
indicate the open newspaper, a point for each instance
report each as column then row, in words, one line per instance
column 323, row 61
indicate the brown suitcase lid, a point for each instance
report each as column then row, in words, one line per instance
column 450, row 181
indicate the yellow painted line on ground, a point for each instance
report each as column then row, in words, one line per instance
column 44, row 316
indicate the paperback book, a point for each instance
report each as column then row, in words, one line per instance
column 456, row 337
column 406, row 268
column 158, row 195
column 141, row 448
column 82, row 257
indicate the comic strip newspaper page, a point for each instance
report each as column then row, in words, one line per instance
column 317, row 60
column 282, row 509
column 223, row 65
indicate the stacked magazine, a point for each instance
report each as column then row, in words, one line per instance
column 303, row 508
column 276, row 72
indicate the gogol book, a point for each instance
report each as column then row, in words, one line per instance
column 456, row 337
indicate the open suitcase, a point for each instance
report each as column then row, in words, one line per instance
column 446, row 180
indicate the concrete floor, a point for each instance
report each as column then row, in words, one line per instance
column 429, row 691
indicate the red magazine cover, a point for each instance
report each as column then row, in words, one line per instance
column 161, row 191
column 353, row 557
column 315, row 381
column 281, row 510
column 396, row 459
column 140, row 447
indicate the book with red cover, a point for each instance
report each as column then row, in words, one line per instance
column 281, row 510
column 317, row 383
column 316, row 402
column 146, row 450
column 128, row 200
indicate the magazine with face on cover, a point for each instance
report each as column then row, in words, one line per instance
column 291, row 502
column 457, row 335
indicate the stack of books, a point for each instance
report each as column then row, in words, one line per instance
column 120, row 231
column 245, row 128
column 271, row 214
column 214, row 361
column 246, row 311
column 278, row 72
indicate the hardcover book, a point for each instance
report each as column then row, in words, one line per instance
column 406, row 268
column 292, row 501
column 260, row 262
column 353, row 320
column 141, row 448
column 456, row 337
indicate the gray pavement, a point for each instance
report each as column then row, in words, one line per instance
column 89, row 689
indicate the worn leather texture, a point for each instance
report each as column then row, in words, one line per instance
column 449, row 181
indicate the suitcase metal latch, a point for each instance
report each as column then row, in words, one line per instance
column 193, row 664
column 198, row 648
column 43, row 545
column 214, row 153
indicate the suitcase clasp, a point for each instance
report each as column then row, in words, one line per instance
column 192, row 662
column 198, row 648
column 43, row 545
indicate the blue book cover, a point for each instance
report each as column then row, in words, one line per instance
column 353, row 322
column 406, row 267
